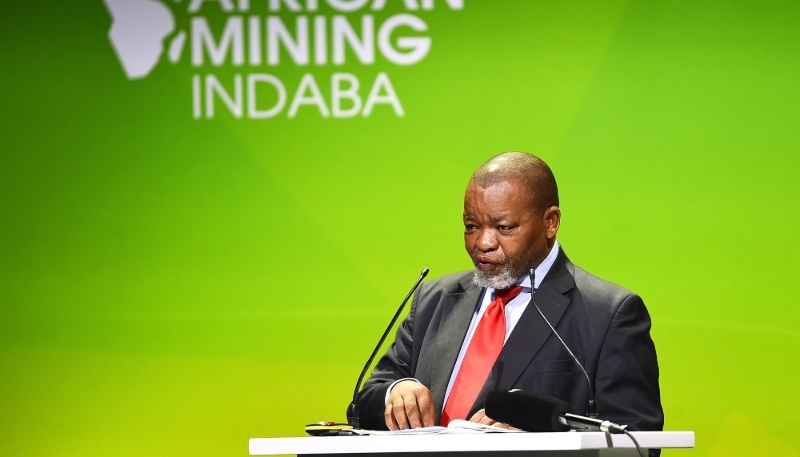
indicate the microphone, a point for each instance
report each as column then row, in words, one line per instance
column 539, row 413
column 591, row 407
column 527, row 411
column 352, row 410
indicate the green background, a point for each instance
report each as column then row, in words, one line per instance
column 171, row 286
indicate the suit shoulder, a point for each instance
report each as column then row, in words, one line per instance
column 450, row 283
column 603, row 301
column 431, row 293
column 598, row 289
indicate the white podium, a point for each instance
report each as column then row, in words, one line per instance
column 565, row 444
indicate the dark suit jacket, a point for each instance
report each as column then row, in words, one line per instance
column 605, row 326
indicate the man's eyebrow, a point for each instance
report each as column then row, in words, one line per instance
column 497, row 218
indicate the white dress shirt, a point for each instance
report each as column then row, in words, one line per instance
column 513, row 312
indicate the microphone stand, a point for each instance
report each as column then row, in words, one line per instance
column 352, row 409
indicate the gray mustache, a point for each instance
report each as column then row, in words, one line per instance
column 496, row 259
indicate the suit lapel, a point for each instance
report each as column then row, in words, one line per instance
column 457, row 311
column 531, row 331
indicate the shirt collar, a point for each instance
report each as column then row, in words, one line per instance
column 542, row 269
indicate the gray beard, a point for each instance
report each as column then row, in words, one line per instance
column 504, row 280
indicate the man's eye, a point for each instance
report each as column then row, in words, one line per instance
column 503, row 227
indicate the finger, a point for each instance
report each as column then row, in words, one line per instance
column 478, row 416
column 388, row 417
column 426, row 409
column 399, row 412
column 412, row 411
column 503, row 425
column 486, row 420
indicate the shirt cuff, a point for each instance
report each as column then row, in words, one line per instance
column 391, row 386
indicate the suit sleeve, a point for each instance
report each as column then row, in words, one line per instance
column 626, row 384
column 394, row 365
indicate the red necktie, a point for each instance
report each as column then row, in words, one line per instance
column 485, row 346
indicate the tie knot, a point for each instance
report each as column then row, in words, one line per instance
column 506, row 295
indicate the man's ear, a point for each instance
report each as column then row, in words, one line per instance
column 552, row 221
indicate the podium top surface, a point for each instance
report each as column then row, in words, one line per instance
column 463, row 442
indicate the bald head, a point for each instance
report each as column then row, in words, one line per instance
column 531, row 171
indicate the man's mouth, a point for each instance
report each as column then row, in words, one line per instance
column 486, row 263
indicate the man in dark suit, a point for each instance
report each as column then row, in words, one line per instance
column 469, row 333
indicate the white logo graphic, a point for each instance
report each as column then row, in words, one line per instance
column 273, row 33
column 137, row 34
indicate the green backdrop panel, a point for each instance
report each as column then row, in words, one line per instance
column 173, row 283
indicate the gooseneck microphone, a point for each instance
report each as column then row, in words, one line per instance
column 591, row 423
column 591, row 407
column 352, row 410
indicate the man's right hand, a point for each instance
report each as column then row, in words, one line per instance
column 410, row 405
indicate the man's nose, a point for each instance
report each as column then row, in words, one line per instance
column 487, row 241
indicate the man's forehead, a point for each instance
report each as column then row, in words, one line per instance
column 505, row 192
column 497, row 181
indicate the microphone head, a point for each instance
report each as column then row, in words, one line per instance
column 424, row 272
column 527, row 411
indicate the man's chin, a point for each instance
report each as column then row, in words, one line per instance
column 503, row 280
